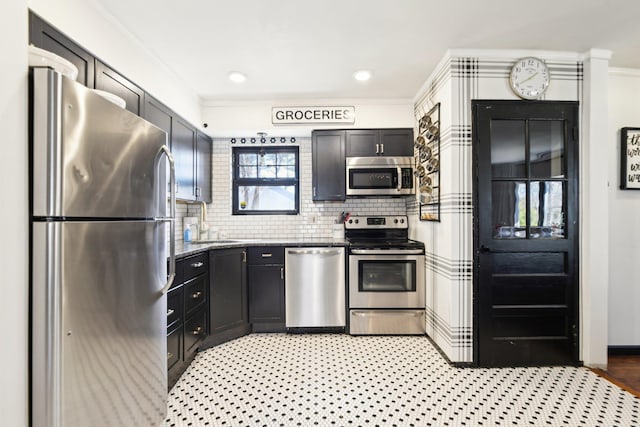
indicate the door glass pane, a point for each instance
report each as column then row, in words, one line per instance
column 507, row 149
column 546, row 139
column 547, row 210
column 387, row 276
column 266, row 198
column 509, row 209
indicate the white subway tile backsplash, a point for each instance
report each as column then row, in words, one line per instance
column 314, row 219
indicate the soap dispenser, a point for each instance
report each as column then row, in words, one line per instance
column 187, row 234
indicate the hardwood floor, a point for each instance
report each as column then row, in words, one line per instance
column 624, row 371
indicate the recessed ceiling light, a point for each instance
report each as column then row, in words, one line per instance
column 362, row 75
column 237, row 77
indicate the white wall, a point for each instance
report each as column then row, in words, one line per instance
column 93, row 28
column 14, row 248
column 246, row 118
column 624, row 218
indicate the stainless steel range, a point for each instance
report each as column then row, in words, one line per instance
column 386, row 277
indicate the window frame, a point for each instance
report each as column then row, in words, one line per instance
column 237, row 181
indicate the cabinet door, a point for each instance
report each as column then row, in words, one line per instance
column 228, row 284
column 183, row 137
column 46, row 37
column 110, row 80
column 203, row 167
column 328, row 165
column 363, row 143
column 266, row 293
column 396, row 142
column 157, row 113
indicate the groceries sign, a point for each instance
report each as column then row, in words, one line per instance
column 312, row 115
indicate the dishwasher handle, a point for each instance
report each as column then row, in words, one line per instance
column 314, row 251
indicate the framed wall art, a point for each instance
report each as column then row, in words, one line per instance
column 630, row 158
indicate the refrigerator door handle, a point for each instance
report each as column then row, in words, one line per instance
column 172, row 223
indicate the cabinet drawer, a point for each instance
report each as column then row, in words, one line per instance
column 263, row 255
column 195, row 330
column 195, row 293
column 174, row 344
column 194, row 265
column 174, row 307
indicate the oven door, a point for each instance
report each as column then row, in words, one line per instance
column 386, row 279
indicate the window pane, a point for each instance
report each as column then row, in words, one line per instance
column 248, row 159
column 286, row 159
column 547, row 210
column 247, row 172
column 546, row 139
column 509, row 209
column 286, row 172
column 267, row 172
column 507, row 149
column 266, row 198
column 268, row 159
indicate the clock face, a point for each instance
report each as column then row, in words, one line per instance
column 529, row 78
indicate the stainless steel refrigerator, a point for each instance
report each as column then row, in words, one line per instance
column 98, row 259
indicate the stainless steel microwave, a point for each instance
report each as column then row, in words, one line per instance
column 380, row 176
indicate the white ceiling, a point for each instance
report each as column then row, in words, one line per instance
column 303, row 49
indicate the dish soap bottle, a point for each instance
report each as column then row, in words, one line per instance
column 187, row 234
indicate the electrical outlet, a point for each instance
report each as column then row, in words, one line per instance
column 312, row 219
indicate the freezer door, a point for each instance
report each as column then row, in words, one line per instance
column 99, row 324
column 91, row 158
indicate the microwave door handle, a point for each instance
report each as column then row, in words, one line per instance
column 399, row 178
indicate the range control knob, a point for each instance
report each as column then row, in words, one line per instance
column 357, row 221
column 395, row 221
column 350, row 221
column 402, row 221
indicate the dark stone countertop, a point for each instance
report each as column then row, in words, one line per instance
column 185, row 249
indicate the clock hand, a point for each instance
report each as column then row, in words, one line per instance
column 529, row 78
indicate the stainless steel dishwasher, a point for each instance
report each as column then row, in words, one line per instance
column 315, row 289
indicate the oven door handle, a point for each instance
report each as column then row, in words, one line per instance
column 387, row 252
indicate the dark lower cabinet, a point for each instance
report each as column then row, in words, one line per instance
column 228, row 307
column 187, row 313
column 265, row 277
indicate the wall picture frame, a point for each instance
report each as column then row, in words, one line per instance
column 630, row 158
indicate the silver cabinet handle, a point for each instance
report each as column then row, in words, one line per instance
column 170, row 312
column 172, row 222
column 197, row 330
column 377, row 148
column 381, row 148
column 267, row 255
column 389, row 313
column 196, row 295
column 281, row 273
column 315, row 252
column 244, row 256
column 197, row 264
column 198, row 191
column 386, row 252
column 169, row 356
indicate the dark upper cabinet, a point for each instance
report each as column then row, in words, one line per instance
column 379, row 142
column 328, row 165
column 397, row 142
column 157, row 113
column 228, row 293
column 363, row 143
column 183, row 137
column 109, row 80
column 204, row 148
column 45, row 36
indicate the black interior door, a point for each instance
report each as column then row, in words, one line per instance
column 525, row 232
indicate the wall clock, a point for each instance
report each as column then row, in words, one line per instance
column 529, row 78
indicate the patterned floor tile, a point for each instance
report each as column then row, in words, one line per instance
column 341, row 380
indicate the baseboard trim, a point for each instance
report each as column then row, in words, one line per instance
column 623, row 350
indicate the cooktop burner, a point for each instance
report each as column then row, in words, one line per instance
column 380, row 232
